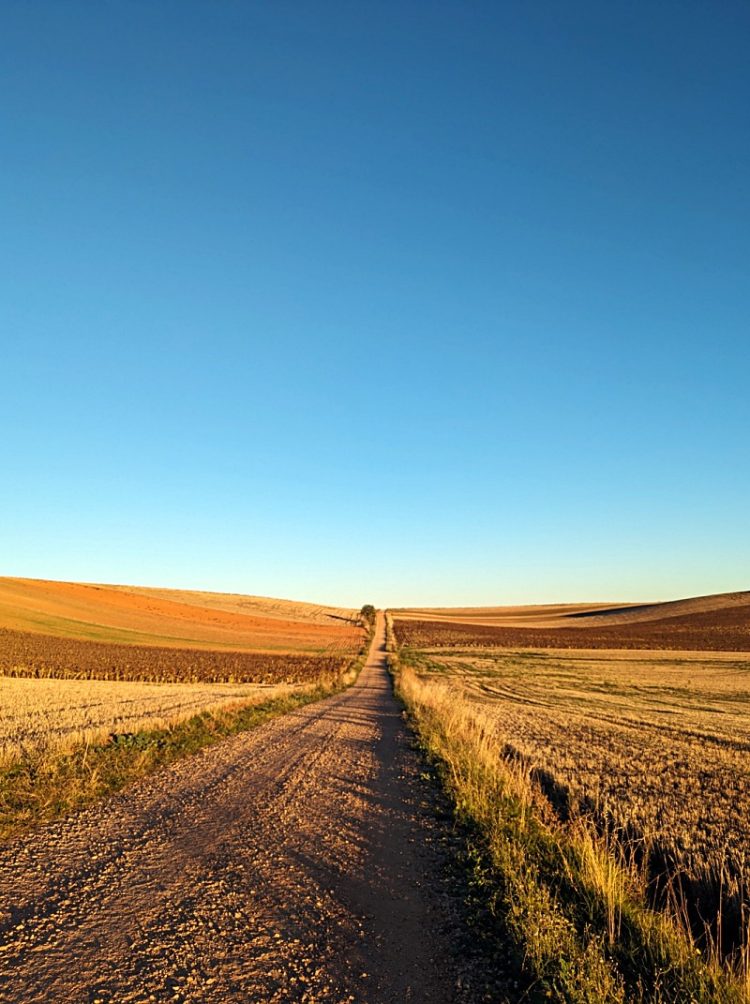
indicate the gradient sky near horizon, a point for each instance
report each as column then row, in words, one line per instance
column 409, row 303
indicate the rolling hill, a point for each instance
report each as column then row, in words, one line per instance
column 174, row 618
column 719, row 622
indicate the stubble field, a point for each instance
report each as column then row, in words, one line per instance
column 41, row 714
column 656, row 748
column 648, row 742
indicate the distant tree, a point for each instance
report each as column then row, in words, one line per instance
column 367, row 613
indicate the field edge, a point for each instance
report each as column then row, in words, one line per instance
column 575, row 915
column 47, row 784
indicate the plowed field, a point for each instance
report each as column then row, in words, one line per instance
column 37, row 655
column 715, row 627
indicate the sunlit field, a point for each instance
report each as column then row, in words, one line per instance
column 44, row 713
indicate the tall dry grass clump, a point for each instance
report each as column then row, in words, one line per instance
column 575, row 906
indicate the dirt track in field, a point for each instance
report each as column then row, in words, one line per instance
column 302, row 861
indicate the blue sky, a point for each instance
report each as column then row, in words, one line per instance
column 392, row 302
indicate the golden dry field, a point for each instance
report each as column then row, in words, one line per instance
column 43, row 713
column 652, row 745
column 577, row 615
column 657, row 743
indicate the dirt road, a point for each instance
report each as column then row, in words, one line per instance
column 301, row 861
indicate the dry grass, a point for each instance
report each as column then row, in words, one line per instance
column 648, row 748
column 656, row 744
column 45, row 713
column 577, row 907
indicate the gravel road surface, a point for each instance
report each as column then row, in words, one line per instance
column 300, row 861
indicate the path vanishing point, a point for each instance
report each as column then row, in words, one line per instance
column 299, row 861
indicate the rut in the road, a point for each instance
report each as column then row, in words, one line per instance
column 297, row 862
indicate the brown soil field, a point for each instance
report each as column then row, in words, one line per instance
column 24, row 653
column 718, row 623
column 165, row 617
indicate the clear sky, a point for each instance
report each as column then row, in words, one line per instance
column 409, row 303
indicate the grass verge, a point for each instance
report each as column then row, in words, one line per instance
column 574, row 908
